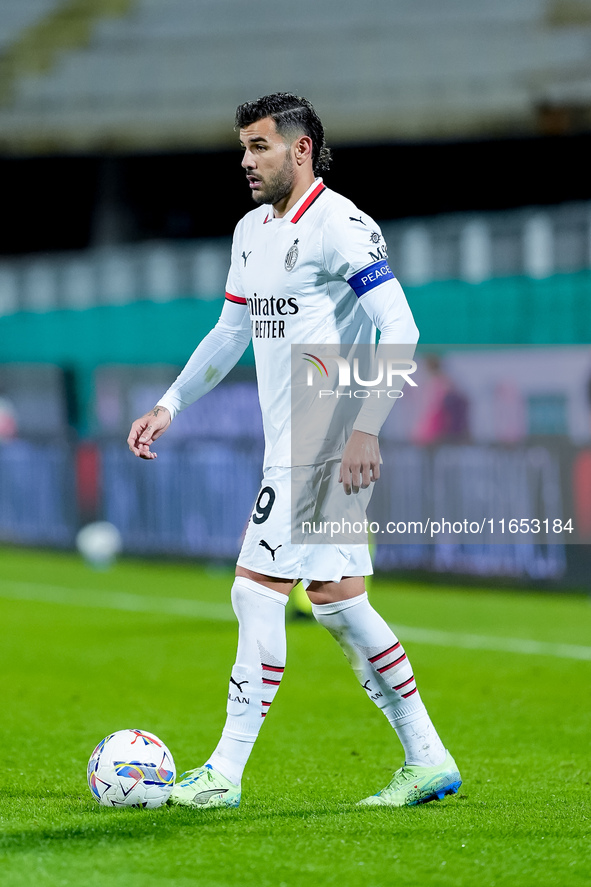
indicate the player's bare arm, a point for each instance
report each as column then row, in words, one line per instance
column 360, row 464
column 147, row 429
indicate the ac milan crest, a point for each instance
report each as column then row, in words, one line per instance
column 292, row 256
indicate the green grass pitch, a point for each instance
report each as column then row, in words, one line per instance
column 506, row 677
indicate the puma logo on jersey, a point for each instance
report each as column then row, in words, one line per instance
column 245, row 257
column 351, row 219
column 268, row 547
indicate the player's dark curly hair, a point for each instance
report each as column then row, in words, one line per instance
column 292, row 114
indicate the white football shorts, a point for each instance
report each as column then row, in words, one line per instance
column 268, row 548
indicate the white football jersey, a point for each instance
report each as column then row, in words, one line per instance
column 303, row 279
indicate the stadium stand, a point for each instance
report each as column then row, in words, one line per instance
column 535, row 242
column 19, row 15
column 34, row 32
column 164, row 72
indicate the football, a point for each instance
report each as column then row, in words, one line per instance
column 99, row 543
column 131, row 768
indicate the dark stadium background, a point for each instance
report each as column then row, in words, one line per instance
column 50, row 203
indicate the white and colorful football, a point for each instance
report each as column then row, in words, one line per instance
column 131, row 768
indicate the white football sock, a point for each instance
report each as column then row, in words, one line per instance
column 383, row 670
column 256, row 675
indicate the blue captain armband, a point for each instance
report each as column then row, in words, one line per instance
column 373, row 275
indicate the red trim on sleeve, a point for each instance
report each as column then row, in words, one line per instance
column 310, row 200
column 240, row 300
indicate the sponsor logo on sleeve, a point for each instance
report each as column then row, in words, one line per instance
column 381, row 251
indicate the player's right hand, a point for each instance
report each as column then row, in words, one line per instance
column 146, row 430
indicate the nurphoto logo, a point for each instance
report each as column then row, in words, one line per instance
column 384, row 371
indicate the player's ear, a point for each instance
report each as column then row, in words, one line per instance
column 302, row 149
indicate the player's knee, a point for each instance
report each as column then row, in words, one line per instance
column 239, row 597
column 319, row 598
column 347, row 588
column 325, row 615
column 251, row 598
column 244, row 592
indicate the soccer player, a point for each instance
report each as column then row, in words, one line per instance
column 307, row 267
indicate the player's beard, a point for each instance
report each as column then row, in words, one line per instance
column 278, row 186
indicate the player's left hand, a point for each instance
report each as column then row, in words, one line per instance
column 360, row 464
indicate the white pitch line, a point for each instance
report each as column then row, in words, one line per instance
column 489, row 642
column 115, row 600
column 141, row 603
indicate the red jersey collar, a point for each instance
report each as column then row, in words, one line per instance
column 303, row 204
